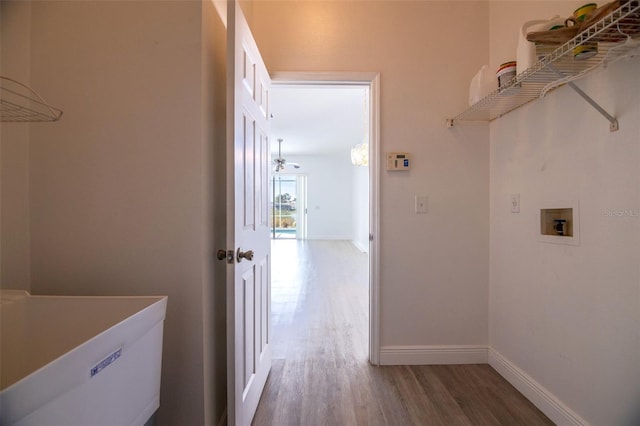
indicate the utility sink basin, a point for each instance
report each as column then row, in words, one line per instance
column 76, row 360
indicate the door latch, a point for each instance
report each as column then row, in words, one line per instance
column 227, row 255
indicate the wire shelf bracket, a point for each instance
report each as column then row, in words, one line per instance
column 613, row 122
column 21, row 104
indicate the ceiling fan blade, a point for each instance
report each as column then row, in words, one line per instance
column 294, row 165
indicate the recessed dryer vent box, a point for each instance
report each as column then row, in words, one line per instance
column 559, row 222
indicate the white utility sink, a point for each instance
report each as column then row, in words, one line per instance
column 79, row 360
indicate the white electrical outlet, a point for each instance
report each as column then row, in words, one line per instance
column 421, row 204
column 515, row 203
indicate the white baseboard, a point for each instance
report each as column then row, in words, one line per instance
column 546, row 402
column 363, row 248
column 329, row 237
column 433, row 355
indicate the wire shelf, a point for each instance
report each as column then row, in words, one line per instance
column 16, row 106
column 617, row 36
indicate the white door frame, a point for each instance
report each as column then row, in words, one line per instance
column 371, row 80
column 301, row 205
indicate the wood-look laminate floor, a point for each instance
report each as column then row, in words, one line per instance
column 320, row 373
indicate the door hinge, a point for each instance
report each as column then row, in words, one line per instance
column 370, row 237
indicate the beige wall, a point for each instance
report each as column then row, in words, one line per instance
column 15, row 61
column 434, row 267
column 122, row 190
column 569, row 316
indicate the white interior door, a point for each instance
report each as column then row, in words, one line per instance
column 248, row 289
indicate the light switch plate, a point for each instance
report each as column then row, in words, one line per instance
column 421, row 204
column 515, row 203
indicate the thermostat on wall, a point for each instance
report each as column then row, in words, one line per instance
column 398, row 161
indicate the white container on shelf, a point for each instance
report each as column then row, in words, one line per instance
column 505, row 73
column 526, row 51
column 80, row 360
column 483, row 83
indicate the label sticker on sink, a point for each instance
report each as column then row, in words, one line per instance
column 106, row 362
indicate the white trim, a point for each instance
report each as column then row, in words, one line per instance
column 324, row 78
column 434, row 355
column 372, row 80
column 374, row 220
column 360, row 246
column 330, row 237
column 546, row 402
column 301, row 214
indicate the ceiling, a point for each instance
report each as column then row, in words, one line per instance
column 317, row 119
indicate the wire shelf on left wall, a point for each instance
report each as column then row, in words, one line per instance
column 21, row 104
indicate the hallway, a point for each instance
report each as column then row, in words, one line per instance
column 320, row 373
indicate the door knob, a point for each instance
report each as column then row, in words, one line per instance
column 244, row 255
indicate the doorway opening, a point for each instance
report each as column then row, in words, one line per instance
column 330, row 132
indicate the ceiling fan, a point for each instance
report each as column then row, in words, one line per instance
column 279, row 163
